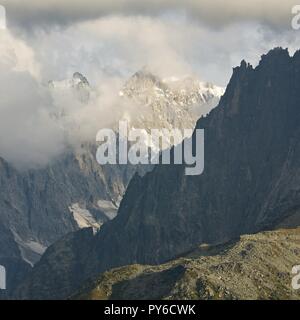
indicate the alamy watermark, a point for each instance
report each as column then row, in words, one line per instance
column 137, row 146
column 2, row 18
column 296, row 278
column 296, row 17
column 2, row 278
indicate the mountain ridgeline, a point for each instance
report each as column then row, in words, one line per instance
column 251, row 182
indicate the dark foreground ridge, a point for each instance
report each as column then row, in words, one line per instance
column 256, row 267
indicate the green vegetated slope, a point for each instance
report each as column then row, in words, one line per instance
column 255, row 267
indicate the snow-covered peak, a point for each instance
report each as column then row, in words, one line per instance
column 192, row 86
column 77, row 81
column 78, row 85
column 143, row 84
column 170, row 103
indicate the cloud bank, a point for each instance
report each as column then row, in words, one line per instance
column 39, row 123
column 170, row 46
column 213, row 12
column 28, row 136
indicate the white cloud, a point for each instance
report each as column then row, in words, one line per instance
column 17, row 55
column 173, row 45
column 32, row 130
column 112, row 45
column 28, row 136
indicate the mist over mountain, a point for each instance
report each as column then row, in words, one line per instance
column 41, row 204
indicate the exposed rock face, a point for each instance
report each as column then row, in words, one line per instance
column 11, row 259
column 170, row 103
column 251, row 180
column 36, row 205
column 255, row 267
column 66, row 260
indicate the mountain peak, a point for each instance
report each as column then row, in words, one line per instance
column 278, row 56
column 77, row 85
column 144, row 79
column 277, row 52
column 80, row 78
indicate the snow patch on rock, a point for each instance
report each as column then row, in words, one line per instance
column 83, row 217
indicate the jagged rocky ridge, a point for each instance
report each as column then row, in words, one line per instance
column 251, row 177
column 250, row 182
column 172, row 102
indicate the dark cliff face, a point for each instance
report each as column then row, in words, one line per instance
column 35, row 204
column 250, row 182
column 251, row 179
column 60, row 270
column 11, row 260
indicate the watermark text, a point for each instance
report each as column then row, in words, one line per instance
column 2, row 278
column 2, row 18
column 296, row 278
column 296, row 17
column 137, row 146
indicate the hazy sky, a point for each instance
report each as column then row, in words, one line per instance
column 207, row 37
column 213, row 12
column 108, row 40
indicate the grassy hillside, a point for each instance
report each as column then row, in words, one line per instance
column 254, row 267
